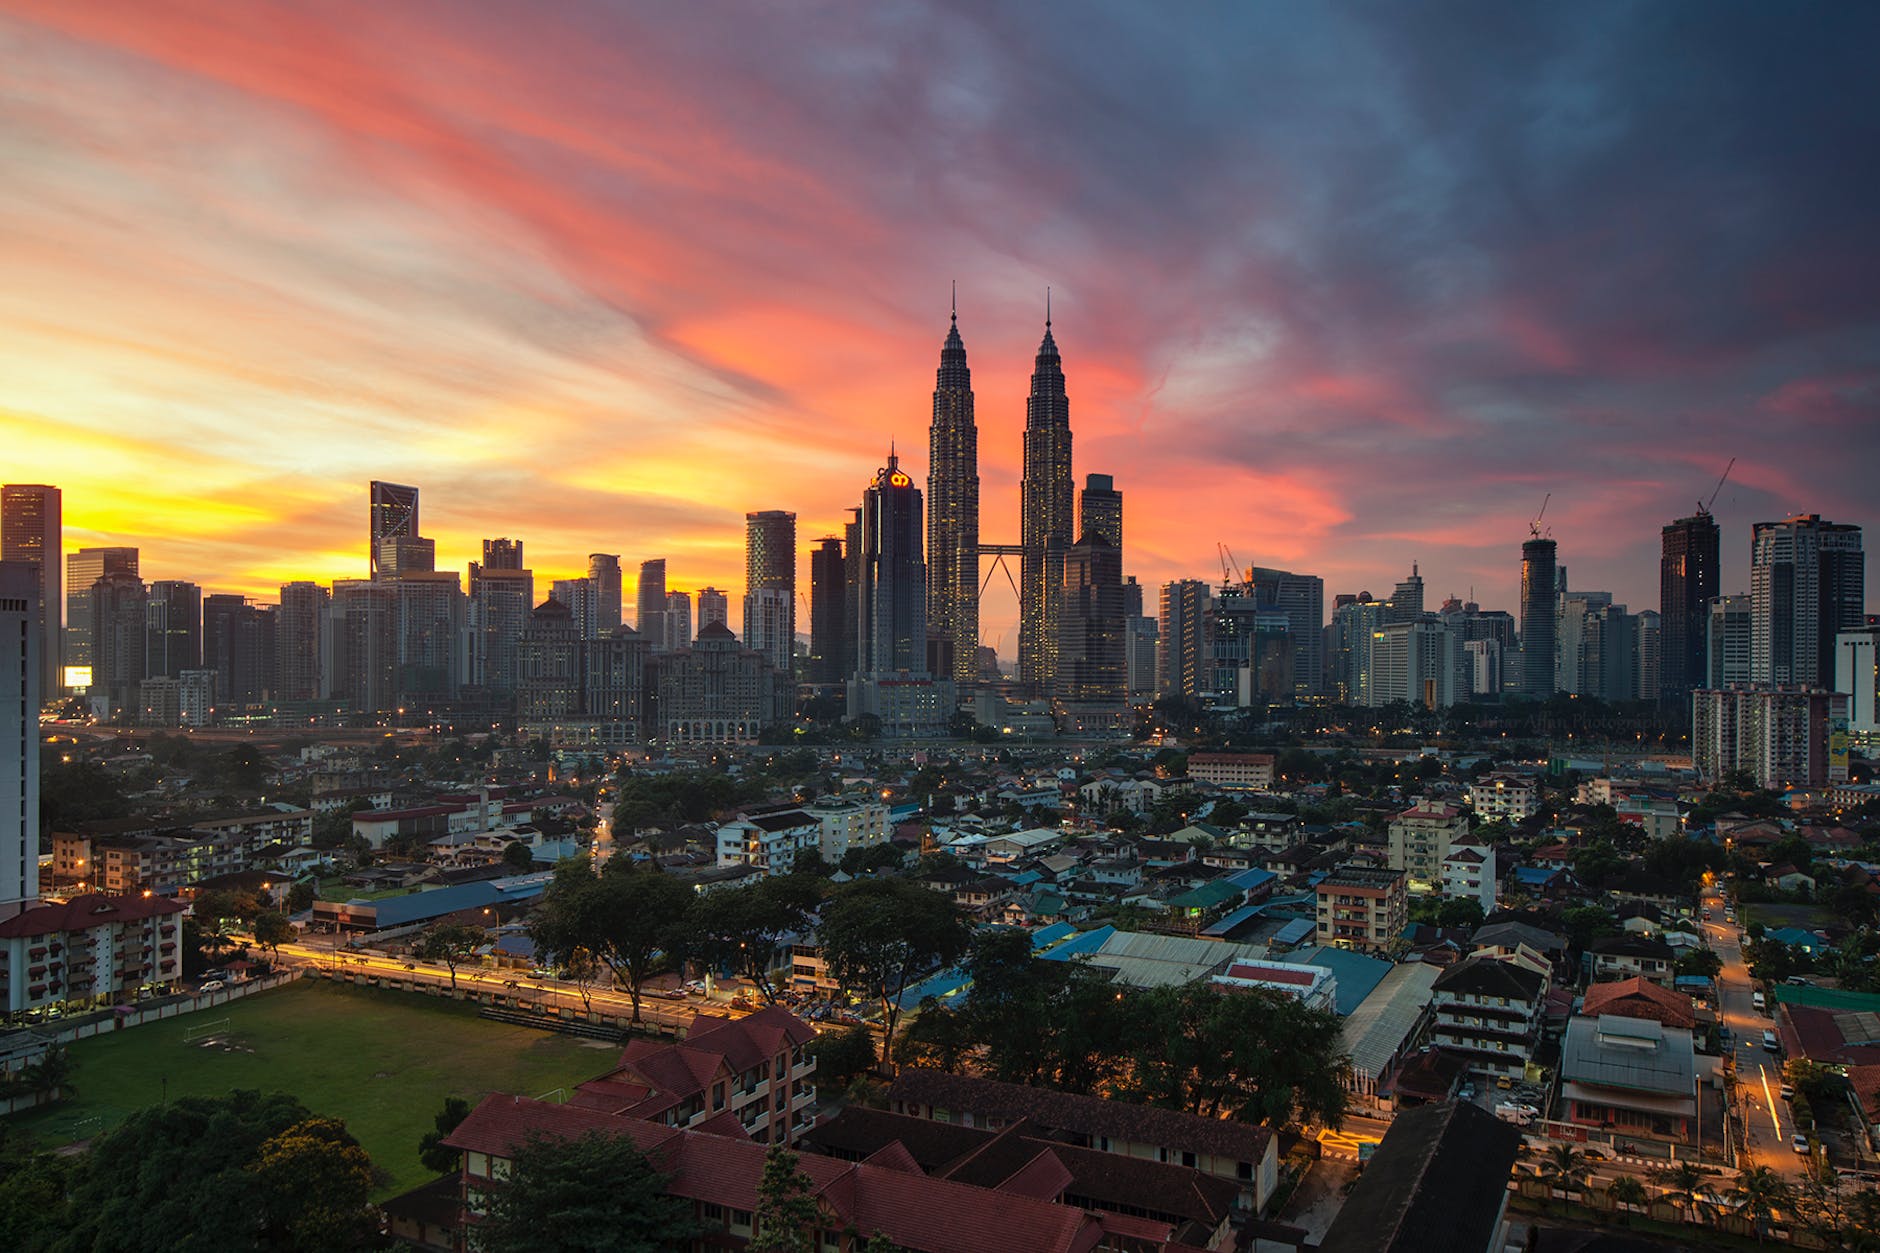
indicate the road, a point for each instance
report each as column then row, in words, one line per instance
column 543, row 992
column 1758, row 1073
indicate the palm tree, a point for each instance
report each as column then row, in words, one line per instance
column 1758, row 1192
column 1566, row 1168
column 1628, row 1192
column 1681, row 1180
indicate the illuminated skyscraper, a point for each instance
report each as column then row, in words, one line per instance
column 770, row 588
column 1045, row 515
column 1093, row 665
column 891, row 633
column 1687, row 583
column 117, row 603
column 1100, row 509
column 31, row 532
column 503, row 554
column 392, row 514
column 1181, row 645
column 953, row 510
column 500, row 601
column 1807, row 583
column 604, row 574
column 173, row 629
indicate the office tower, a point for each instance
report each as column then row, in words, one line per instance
column 852, row 589
column 85, row 568
column 1249, row 650
column 770, row 588
column 1093, row 662
column 1539, row 587
column 614, row 678
column 32, row 532
column 1045, row 518
column 1573, row 669
column 1356, row 622
column 1415, row 661
column 22, row 634
column 1726, row 641
column 505, row 554
column 362, row 645
column 1807, row 583
column 715, row 692
column 953, row 509
column 299, row 627
column 172, row 628
column 828, row 600
column 238, row 644
column 392, row 513
column 1406, row 603
column 1100, row 510
column 549, row 674
column 117, row 605
column 500, row 601
column 431, row 625
column 1482, row 660
column 1142, row 649
column 604, row 574
column 1301, row 598
column 651, row 616
column 1857, row 676
column 1181, row 648
column 891, row 633
column 577, row 595
column 405, row 554
column 1648, row 674
column 713, row 606
column 1687, row 583
column 679, row 618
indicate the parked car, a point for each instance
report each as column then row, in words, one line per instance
column 1799, row 1143
column 213, row 985
column 1770, row 1043
column 1788, row 1091
column 1760, row 1001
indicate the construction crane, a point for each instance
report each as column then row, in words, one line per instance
column 1229, row 567
column 1534, row 527
column 1703, row 506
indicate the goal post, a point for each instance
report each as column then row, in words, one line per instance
column 203, row 1031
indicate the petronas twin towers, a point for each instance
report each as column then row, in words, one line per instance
column 1046, row 517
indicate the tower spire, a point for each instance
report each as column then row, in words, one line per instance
column 1047, row 308
column 956, row 300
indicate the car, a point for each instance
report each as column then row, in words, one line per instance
column 213, row 985
column 1770, row 1043
column 1788, row 1091
column 1799, row 1143
column 1466, row 1092
column 1759, row 1001
column 1796, row 981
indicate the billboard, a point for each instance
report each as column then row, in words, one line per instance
column 77, row 678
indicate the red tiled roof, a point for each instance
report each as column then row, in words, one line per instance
column 82, row 913
column 1638, row 997
column 1272, row 974
column 1865, row 1081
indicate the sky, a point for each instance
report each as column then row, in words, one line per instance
column 1342, row 286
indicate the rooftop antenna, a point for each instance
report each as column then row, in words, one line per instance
column 1534, row 527
column 1703, row 508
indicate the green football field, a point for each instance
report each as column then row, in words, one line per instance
column 381, row 1061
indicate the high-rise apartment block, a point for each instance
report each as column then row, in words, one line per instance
column 1181, row 643
column 1045, row 515
column 679, row 617
column 118, row 604
column 1688, row 574
column 831, row 624
column 172, row 629
column 770, row 587
column 238, row 641
column 501, row 599
column 84, row 569
column 299, row 629
column 1727, row 641
column 952, row 511
column 713, row 606
column 22, row 635
column 1807, row 583
column 1780, row 736
column 32, row 533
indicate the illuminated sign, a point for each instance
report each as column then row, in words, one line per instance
column 78, row 678
column 1838, row 749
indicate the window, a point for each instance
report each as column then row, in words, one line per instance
column 1243, row 1170
column 1188, row 1159
column 741, row 1218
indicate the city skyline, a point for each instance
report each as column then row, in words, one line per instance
column 613, row 333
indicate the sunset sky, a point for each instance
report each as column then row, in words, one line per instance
column 1345, row 286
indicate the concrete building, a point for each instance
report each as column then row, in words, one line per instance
column 1807, row 583
column 1539, row 585
column 89, row 950
column 83, row 569
column 1415, row 662
column 22, row 635
column 1469, row 875
column 1421, row 837
column 848, row 823
column 1782, row 737
column 1181, row 642
column 1857, row 676
column 604, row 582
column 1726, row 646
column 1235, row 772
column 715, row 692
column 1688, row 574
column 32, row 533
column 1490, row 1012
column 1362, row 908
column 650, row 618
column 770, row 588
column 1505, row 797
column 952, row 520
column 501, row 599
column 299, row 629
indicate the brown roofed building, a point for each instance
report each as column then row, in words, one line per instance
column 1243, row 1153
column 1639, row 997
column 89, row 950
column 1437, row 1184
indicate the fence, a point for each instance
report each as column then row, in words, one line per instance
column 124, row 1017
column 538, row 1009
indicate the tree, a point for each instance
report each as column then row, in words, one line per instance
column 450, row 944
column 1699, row 961
column 742, row 929
column 627, row 918
column 312, row 1182
column 842, row 1055
column 1627, row 1193
column 786, row 1206
column 180, row 1176
column 519, row 857
column 273, row 930
column 597, row 1193
column 879, row 935
column 1566, row 1168
column 300, row 897
column 431, row 1149
column 1757, row 1193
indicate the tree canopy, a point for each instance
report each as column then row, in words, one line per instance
column 880, row 935
column 597, row 1193
column 627, row 917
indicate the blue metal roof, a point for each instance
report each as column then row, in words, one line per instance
column 1088, row 942
column 1357, row 974
column 1022, row 880
column 1045, row 937
column 1251, row 878
column 1295, row 931
column 946, row 984
column 1539, row 875
column 1235, row 919
column 403, row 911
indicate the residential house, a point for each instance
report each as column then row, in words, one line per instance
column 1504, row 797
column 1420, row 839
column 1469, row 875
column 770, row 840
column 1638, row 997
column 1489, row 1011
column 1246, row 1154
column 1618, row 957
column 1636, row 1077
